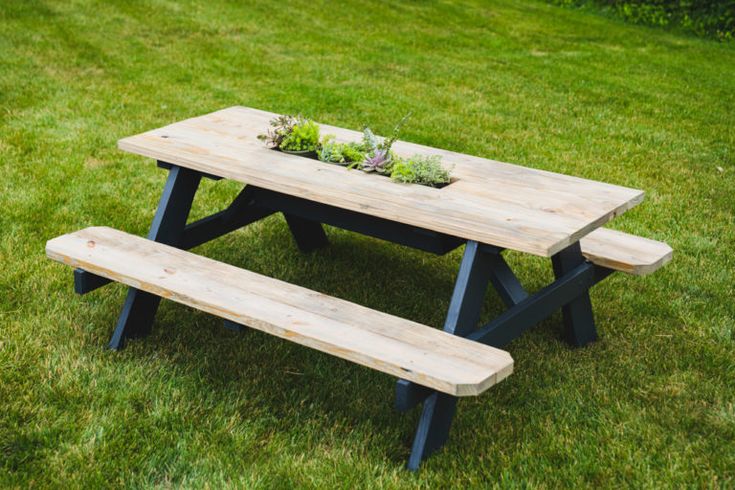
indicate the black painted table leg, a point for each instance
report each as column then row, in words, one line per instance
column 235, row 327
column 579, row 322
column 136, row 318
column 462, row 318
column 168, row 224
column 309, row 235
column 433, row 430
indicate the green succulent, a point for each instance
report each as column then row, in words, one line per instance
column 340, row 153
column 304, row 136
column 371, row 154
column 353, row 152
column 420, row 169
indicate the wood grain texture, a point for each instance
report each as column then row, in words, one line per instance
column 497, row 203
column 399, row 347
column 624, row 252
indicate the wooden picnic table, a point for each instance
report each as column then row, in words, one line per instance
column 489, row 206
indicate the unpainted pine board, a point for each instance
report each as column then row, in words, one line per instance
column 350, row 189
column 403, row 348
column 475, row 178
column 506, row 205
column 624, row 252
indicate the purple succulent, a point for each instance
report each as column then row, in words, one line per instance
column 376, row 162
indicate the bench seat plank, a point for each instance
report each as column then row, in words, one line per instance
column 624, row 252
column 393, row 345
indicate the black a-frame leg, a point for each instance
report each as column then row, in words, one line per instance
column 481, row 265
column 462, row 318
column 309, row 235
column 579, row 322
column 168, row 225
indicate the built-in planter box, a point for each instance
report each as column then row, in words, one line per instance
column 312, row 155
column 299, row 136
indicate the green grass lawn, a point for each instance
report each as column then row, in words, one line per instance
column 651, row 404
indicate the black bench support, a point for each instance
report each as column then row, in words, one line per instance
column 579, row 322
column 490, row 266
column 462, row 318
column 168, row 225
column 86, row 282
column 480, row 265
column 234, row 326
column 309, row 235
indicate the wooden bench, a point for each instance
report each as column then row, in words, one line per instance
column 403, row 348
column 625, row 252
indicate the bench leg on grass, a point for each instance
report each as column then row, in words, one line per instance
column 462, row 318
column 433, row 429
column 579, row 322
column 482, row 265
column 505, row 282
column 168, row 225
column 235, row 327
column 309, row 235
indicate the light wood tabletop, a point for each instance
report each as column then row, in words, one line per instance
column 492, row 202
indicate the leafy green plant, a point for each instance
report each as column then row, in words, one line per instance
column 292, row 133
column 370, row 142
column 378, row 154
column 712, row 18
column 352, row 152
column 341, row 153
column 371, row 154
column 420, row 169
column 304, row 136
column 280, row 127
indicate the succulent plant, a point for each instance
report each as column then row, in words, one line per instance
column 292, row 133
column 370, row 142
column 280, row 127
column 421, row 169
column 304, row 136
column 372, row 154
column 340, row 153
column 377, row 162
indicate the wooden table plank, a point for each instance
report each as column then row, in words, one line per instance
column 403, row 348
column 492, row 202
